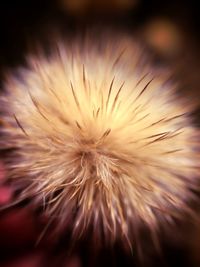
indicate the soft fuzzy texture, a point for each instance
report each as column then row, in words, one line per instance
column 96, row 135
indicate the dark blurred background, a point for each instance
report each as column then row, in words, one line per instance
column 169, row 28
column 170, row 31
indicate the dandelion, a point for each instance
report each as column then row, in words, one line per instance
column 97, row 135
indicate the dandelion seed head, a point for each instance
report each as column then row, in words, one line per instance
column 99, row 136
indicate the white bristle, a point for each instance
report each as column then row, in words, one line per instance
column 100, row 136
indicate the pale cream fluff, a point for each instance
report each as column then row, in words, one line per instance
column 99, row 136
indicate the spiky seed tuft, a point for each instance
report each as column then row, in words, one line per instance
column 100, row 140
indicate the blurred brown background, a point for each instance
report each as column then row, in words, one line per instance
column 169, row 28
